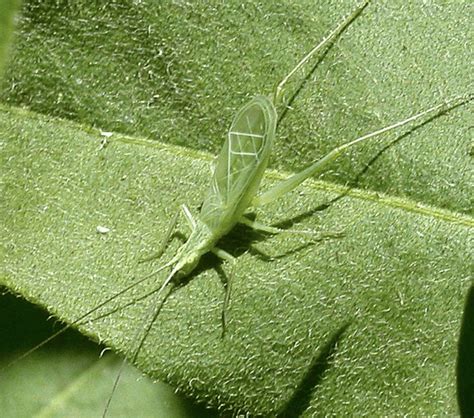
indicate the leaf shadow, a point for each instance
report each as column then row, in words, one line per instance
column 239, row 241
column 355, row 181
column 23, row 324
column 291, row 222
column 301, row 398
column 243, row 239
column 465, row 359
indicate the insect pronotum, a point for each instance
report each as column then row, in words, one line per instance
column 236, row 178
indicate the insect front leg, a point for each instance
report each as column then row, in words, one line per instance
column 169, row 232
column 189, row 217
column 224, row 255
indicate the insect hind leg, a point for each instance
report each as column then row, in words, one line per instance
column 280, row 88
column 320, row 165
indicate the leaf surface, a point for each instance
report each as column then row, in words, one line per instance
column 372, row 316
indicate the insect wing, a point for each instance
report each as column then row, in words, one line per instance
column 242, row 160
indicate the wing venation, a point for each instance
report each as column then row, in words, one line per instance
column 244, row 151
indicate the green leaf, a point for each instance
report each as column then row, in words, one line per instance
column 367, row 323
column 7, row 14
column 177, row 72
column 69, row 378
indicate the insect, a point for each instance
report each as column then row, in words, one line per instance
column 237, row 175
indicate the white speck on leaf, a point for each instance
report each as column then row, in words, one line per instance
column 102, row 229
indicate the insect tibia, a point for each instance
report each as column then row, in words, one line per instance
column 327, row 41
column 437, row 110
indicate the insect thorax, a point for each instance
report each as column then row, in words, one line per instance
column 201, row 241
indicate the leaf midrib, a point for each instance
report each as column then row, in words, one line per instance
column 383, row 199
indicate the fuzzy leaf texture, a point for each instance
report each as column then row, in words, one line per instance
column 372, row 323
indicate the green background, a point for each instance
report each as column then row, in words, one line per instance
column 367, row 324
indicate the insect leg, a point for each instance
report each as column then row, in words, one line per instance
column 224, row 255
column 152, row 314
column 169, row 233
column 318, row 166
column 278, row 94
column 189, row 217
column 270, row 229
column 319, row 236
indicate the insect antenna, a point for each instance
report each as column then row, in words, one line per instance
column 79, row 320
column 152, row 313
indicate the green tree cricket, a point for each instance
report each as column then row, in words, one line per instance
column 234, row 188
